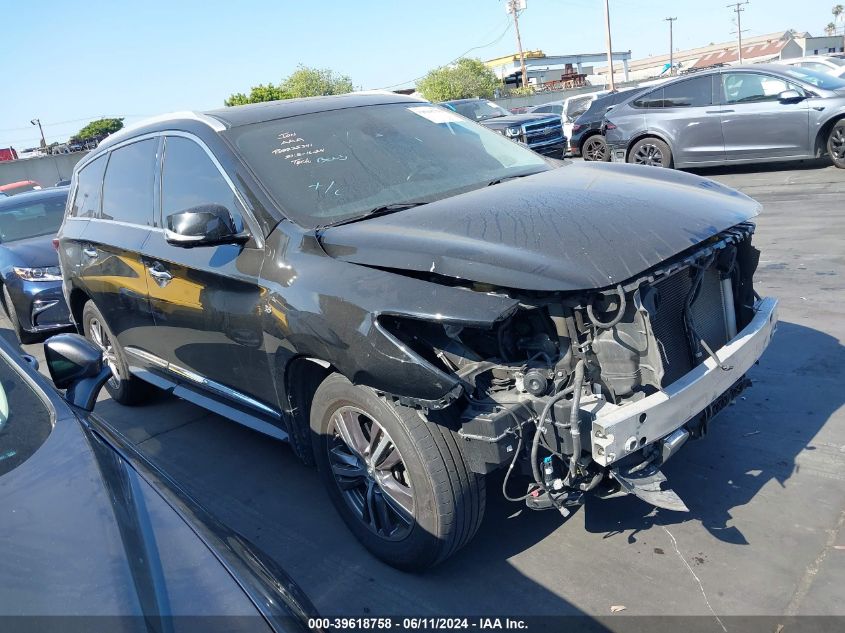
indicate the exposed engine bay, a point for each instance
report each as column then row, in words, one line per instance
column 593, row 391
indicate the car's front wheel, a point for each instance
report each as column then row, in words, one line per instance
column 836, row 144
column 651, row 151
column 123, row 387
column 595, row 149
column 23, row 336
column 398, row 480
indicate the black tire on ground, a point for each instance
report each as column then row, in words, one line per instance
column 836, row 144
column 23, row 336
column 595, row 149
column 651, row 151
column 447, row 500
column 123, row 387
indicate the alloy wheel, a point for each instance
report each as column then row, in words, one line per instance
column 595, row 150
column 648, row 154
column 370, row 473
column 837, row 143
column 101, row 339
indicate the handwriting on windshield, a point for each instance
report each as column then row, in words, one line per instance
column 295, row 149
column 329, row 159
column 329, row 190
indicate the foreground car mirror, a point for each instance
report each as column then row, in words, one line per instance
column 203, row 225
column 789, row 95
column 76, row 364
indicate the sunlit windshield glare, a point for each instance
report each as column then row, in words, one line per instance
column 331, row 166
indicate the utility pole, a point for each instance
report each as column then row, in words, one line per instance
column 738, row 9
column 40, row 129
column 609, row 43
column 514, row 7
column 671, row 45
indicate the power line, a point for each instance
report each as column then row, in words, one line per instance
column 464, row 54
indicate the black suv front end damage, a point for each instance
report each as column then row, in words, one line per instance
column 595, row 390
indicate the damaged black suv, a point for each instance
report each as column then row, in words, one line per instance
column 414, row 302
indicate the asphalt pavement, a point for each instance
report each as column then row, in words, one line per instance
column 765, row 488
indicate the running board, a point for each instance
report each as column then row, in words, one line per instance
column 648, row 485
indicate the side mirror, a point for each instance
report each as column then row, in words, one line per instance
column 203, row 225
column 76, row 364
column 789, row 95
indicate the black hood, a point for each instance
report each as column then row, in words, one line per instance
column 579, row 227
column 501, row 122
column 34, row 251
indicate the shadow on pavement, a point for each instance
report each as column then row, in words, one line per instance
column 753, row 168
column 750, row 444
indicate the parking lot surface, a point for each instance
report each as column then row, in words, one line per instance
column 766, row 488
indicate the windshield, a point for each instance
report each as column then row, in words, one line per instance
column 815, row 78
column 328, row 167
column 478, row 110
column 34, row 217
column 25, row 421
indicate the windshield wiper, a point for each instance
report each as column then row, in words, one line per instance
column 372, row 213
column 503, row 179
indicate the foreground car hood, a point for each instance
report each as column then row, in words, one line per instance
column 579, row 227
column 34, row 251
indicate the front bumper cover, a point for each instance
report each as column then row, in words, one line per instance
column 618, row 431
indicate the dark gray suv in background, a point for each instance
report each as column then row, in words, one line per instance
column 415, row 301
column 737, row 114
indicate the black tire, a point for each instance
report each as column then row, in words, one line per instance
column 23, row 336
column 447, row 499
column 651, row 151
column 836, row 144
column 123, row 387
column 595, row 149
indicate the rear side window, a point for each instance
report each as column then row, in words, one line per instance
column 692, row 93
column 189, row 179
column 89, row 183
column 128, row 186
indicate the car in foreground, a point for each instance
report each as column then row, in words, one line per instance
column 29, row 265
column 541, row 132
column 93, row 528
column 20, row 186
column 586, row 138
column 829, row 64
column 734, row 115
column 414, row 302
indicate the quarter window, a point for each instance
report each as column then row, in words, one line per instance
column 89, row 182
column 692, row 93
column 191, row 179
column 128, row 186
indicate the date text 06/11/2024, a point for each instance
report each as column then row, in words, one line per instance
column 423, row 624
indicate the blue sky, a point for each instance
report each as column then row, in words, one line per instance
column 68, row 61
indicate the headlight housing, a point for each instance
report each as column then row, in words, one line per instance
column 45, row 273
column 512, row 132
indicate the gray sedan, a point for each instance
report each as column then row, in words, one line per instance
column 740, row 114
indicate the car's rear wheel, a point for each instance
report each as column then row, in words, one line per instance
column 595, row 149
column 836, row 144
column 398, row 480
column 650, row 151
column 23, row 336
column 123, row 387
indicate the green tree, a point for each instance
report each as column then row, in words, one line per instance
column 830, row 29
column 837, row 11
column 303, row 82
column 99, row 129
column 463, row 79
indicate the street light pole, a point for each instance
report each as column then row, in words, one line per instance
column 671, row 45
column 40, row 129
column 609, row 43
column 737, row 7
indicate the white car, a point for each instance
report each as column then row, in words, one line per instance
column 821, row 63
